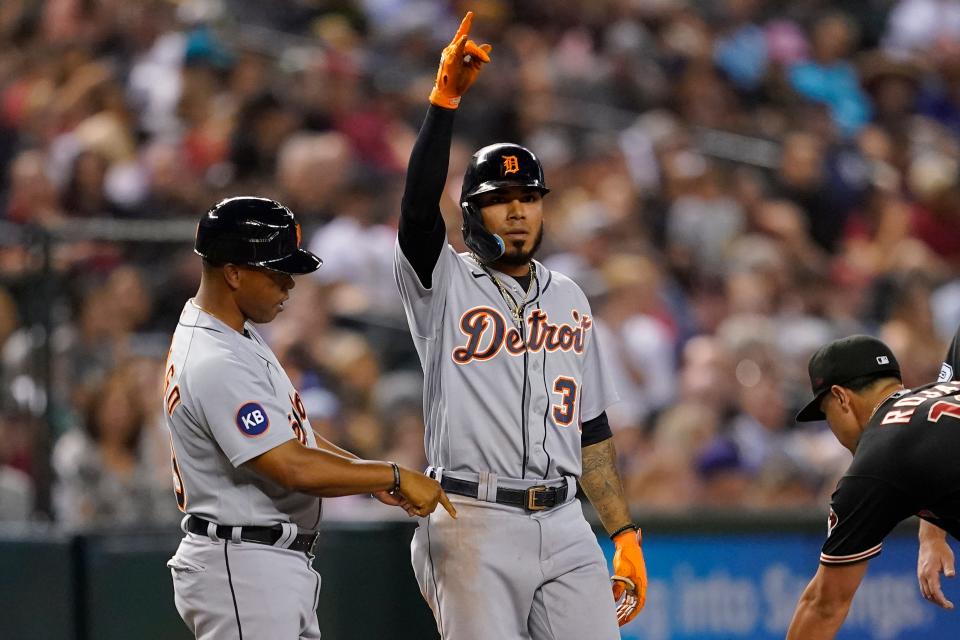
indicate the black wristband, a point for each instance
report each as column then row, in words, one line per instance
column 625, row 527
column 396, row 479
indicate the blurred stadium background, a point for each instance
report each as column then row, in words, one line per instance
column 734, row 183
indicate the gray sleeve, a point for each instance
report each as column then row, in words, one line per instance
column 423, row 305
column 599, row 389
column 238, row 405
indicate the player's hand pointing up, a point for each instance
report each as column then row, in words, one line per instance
column 460, row 63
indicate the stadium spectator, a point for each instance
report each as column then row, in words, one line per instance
column 715, row 171
column 103, row 477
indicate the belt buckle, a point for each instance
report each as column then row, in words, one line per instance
column 532, row 498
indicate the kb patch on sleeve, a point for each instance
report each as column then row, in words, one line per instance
column 252, row 420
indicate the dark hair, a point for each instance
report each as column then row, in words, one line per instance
column 862, row 383
column 115, row 378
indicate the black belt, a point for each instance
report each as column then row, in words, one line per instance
column 262, row 535
column 535, row 498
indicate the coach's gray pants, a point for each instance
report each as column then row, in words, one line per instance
column 245, row 590
column 498, row 572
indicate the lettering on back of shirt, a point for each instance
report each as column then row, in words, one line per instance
column 903, row 409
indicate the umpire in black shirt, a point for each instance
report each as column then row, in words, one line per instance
column 905, row 445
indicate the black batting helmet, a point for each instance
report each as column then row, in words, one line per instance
column 502, row 165
column 253, row 231
column 496, row 166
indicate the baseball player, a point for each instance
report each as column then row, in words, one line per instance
column 514, row 400
column 248, row 469
column 935, row 555
column 905, row 445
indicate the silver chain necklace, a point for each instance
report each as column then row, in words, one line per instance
column 516, row 310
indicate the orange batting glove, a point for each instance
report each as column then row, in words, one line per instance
column 629, row 576
column 460, row 63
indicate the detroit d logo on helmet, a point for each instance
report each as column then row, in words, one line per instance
column 510, row 165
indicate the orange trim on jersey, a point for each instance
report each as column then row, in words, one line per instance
column 466, row 354
column 576, row 334
column 173, row 400
column 179, row 490
column 297, row 402
column 568, row 399
column 854, row 557
column 168, row 377
column 476, row 322
column 298, row 417
column 297, row 427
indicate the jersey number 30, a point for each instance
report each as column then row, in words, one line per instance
column 565, row 409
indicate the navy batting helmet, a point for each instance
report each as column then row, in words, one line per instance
column 253, row 231
column 496, row 166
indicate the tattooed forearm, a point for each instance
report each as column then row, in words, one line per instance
column 601, row 482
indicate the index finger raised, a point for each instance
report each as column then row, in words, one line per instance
column 464, row 26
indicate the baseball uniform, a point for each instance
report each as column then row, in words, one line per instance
column 512, row 373
column 228, row 400
column 904, row 465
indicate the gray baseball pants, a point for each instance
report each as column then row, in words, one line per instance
column 498, row 571
column 224, row 589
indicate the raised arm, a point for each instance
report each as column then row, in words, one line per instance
column 422, row 233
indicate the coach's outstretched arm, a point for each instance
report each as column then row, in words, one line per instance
column 327, row 474
column 422, row 233
column 601, row 482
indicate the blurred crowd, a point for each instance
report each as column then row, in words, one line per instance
column 734, row 182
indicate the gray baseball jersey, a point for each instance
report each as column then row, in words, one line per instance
column 502, row 395
column 228, row 400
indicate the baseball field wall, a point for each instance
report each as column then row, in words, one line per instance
column 711, row 577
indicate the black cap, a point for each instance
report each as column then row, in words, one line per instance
column 844, row 360
column 253, row 231
column 502, row 165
